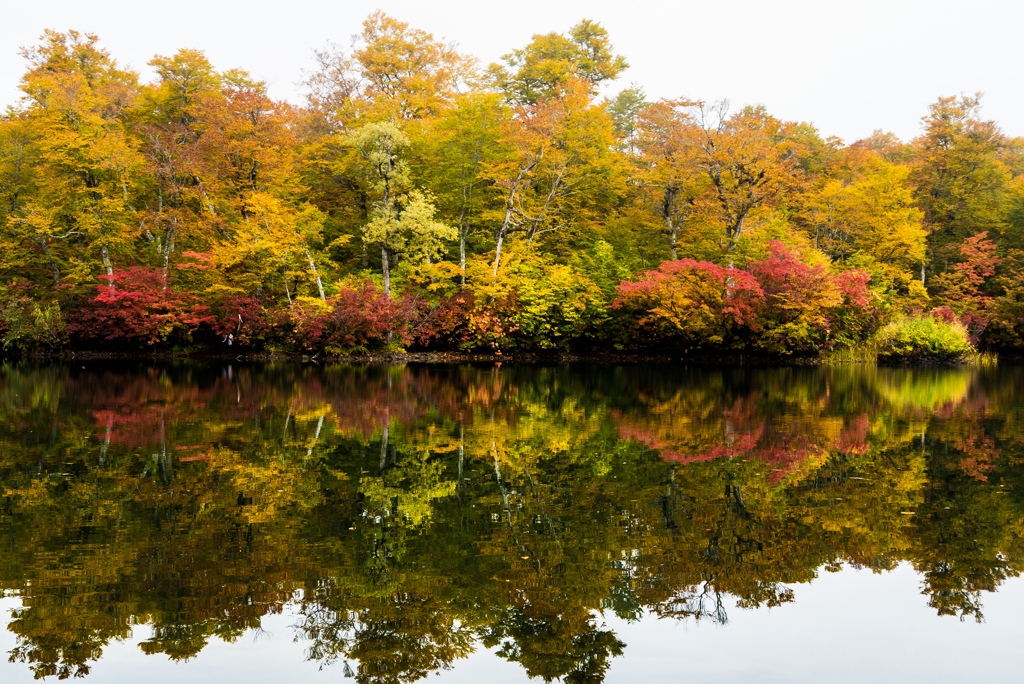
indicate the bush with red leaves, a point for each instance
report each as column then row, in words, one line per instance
column 358, row 317
column 134, row 307
column 694, row 304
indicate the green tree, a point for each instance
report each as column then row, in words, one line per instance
column 401, row 218
column 960, row 181
column 542, row 68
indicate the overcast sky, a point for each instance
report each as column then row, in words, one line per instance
column 848, row 67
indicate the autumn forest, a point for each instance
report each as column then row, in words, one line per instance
column 419, row 200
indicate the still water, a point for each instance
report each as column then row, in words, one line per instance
column 465, row 523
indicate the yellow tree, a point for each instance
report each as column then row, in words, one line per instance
column 749, row 161
column 881, row 213
column 872, row 211
column 543, row 68
column 393, row 72
column 561, row 163
column 401, row 218
column 961, row 184
column 455, row 149
column 78, row 104
column 668, row 166
column 24, row 235
column 278, row 236
column 170, row 131
column 246, row 179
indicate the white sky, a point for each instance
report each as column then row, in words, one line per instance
column 848, row 67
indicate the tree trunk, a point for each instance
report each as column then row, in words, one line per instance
column 316, row 438
column 384, row 444
column 510, row 204
column 736, row 232
column 169, row 248
column 462, row 258
column 107, row 266
column 462, row 456
column 386, row 266
column 316, row 275
column 54, row 269
column 497, row 251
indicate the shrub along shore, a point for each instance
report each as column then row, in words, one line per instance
column 416, row 202
column 781, row 310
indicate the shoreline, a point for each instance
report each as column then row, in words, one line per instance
column 455, row 358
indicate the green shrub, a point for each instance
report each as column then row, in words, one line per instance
column 29, row 326
column 922, row 338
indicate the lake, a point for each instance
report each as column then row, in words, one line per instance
column 573, row 522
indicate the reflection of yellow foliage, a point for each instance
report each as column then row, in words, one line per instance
column 905, row 388
column 408, row 489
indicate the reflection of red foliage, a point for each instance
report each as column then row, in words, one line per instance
column 736, row 446
column 147, row 410
column 742, row 433
column 131, row 430
column 650, row 440
column 979, row 450
column 853, row 440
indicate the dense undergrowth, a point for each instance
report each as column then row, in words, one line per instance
column 777, row 307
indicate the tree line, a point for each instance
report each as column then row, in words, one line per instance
column 417, row 199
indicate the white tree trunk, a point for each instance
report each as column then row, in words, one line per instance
column 316, row 275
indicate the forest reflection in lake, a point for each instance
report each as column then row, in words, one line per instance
column 406, row 517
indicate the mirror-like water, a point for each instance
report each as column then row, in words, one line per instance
column 580, row 522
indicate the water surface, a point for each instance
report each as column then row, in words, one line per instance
column 584, row 523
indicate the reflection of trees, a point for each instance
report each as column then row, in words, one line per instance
column 571, row 647
column 409, row 513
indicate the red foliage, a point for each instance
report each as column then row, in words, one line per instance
column 943, row 314
column 857, row 317
column 979, row 262
column 701, row 302
column 204, row 262
column 134, row 305
column 962, row 286
column 461, row 322
column 853, row 284
column 808, row 307
column 251, row 321
column 360, row 316
column 979, row 456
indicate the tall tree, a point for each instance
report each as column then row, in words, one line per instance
column 392, row 72
column 456, row 149
column 401, row 218
column 868, row 208
column 669, row 166
column 78, row 104
column 539, row 70
column 748, row 160
column 170, row 131
column 961, row 183
column 562, row 159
